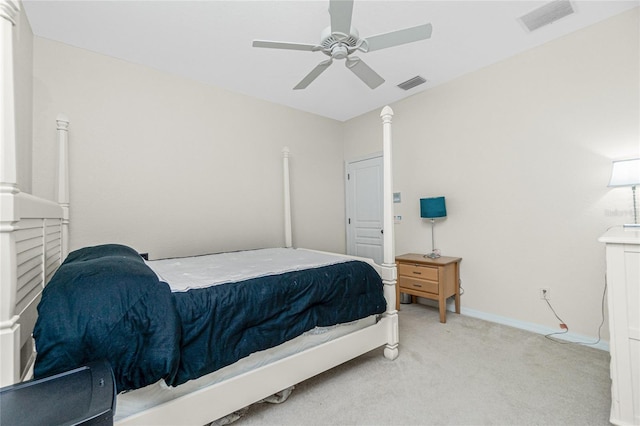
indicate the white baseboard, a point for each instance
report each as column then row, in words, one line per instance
column 528, row 326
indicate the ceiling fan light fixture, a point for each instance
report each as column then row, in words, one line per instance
column 412, row 82
column 339, row 52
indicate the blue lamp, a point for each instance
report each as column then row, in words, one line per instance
column 432, row 208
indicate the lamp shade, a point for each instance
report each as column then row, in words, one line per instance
column 431, row 208
column 625, row 173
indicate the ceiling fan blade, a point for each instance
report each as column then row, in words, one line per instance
column 364, row 72
column 286, row 45
column 396, row 38
column 319, row 69
column 340, row 12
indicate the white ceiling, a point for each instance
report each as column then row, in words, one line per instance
column 210, row 41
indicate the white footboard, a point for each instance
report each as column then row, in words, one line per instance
column 222, row 398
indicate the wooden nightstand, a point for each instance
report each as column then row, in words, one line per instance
column 435, row 279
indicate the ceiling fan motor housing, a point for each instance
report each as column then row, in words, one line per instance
column 337, row 45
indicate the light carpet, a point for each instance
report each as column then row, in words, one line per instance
column 465, row 372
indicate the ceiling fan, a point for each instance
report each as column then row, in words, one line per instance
column 340, row 40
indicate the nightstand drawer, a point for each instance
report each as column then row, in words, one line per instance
column 418, row 284
column 418, row 271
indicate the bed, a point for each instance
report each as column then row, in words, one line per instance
column 34, row 244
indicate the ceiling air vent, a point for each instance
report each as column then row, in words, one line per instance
column 547, row 14
column 412, row 82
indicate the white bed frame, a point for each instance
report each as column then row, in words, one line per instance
column 34, row 241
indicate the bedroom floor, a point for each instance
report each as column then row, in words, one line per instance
column 465, row 372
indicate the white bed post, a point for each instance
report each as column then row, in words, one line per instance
column 9, row 327
column 389, row 273
column 62, row 187
column 288, row 242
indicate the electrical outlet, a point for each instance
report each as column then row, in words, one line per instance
column 545, row 294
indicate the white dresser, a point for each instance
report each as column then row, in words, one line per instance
column 623, row 283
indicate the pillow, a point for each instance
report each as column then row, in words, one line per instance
column 104, row 250
column 104, row 302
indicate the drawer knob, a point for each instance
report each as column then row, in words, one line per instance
column 417, row 273
column 417, row 285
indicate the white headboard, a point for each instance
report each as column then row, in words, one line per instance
column 33, row 230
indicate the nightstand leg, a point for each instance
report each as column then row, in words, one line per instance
column 442, row 307
column 457, row 278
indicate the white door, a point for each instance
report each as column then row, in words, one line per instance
column 364, row 208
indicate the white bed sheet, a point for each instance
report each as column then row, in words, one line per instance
column 187, row 273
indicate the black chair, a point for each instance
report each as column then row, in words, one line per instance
column 83, row 396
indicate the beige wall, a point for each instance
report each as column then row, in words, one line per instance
column 175, row 167
column 522, row 152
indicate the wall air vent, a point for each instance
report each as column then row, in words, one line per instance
column 412, row 82
column 547, row 14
